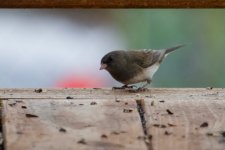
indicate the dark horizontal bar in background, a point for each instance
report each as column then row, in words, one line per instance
column 112, row 3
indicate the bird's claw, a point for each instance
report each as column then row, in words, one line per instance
column 116, row 88
column 138, row 90
column 123, row 87
column 142, row 89
column 128, row 87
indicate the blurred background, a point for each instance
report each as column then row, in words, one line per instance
column 63, row 47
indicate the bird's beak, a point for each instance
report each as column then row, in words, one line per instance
column 103, row 66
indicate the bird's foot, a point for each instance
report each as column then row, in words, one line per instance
column 138, row 90
column 123, row 87
column 141, row 89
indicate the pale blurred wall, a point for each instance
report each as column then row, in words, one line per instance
column 38, row 48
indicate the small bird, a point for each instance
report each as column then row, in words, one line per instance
column 130, row 67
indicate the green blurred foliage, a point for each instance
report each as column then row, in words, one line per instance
column 200, row 63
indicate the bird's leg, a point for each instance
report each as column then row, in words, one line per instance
column 143, row 88
column 129, row 87
column 124, row 87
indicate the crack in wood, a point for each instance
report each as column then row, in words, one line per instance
column 1, row 129
column 141, row 111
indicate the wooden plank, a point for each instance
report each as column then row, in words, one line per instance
column 159, row 93
column 190, row 108
column 112, row 4
column 182, row 129
column 100, row 125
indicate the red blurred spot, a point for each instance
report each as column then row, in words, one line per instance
column 80, row 81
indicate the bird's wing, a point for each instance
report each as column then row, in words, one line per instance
column 146, row 58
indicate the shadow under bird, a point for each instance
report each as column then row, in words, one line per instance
column 130, row 67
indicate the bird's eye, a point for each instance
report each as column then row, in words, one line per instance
column 110, row 59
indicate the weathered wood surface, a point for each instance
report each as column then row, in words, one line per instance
column 112, row 3
column 183, row 128
column 97, row 93
column 103, row 125
column 114, row 120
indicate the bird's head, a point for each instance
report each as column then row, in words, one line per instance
column 112, row 60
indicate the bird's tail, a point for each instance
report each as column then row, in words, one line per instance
column 173, row 48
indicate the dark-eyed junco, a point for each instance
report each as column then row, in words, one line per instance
column 130, row 67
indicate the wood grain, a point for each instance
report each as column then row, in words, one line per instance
column 103, row 125
column 110, row 119
column 159, row 93
column 182, row 129
column 112, row 4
